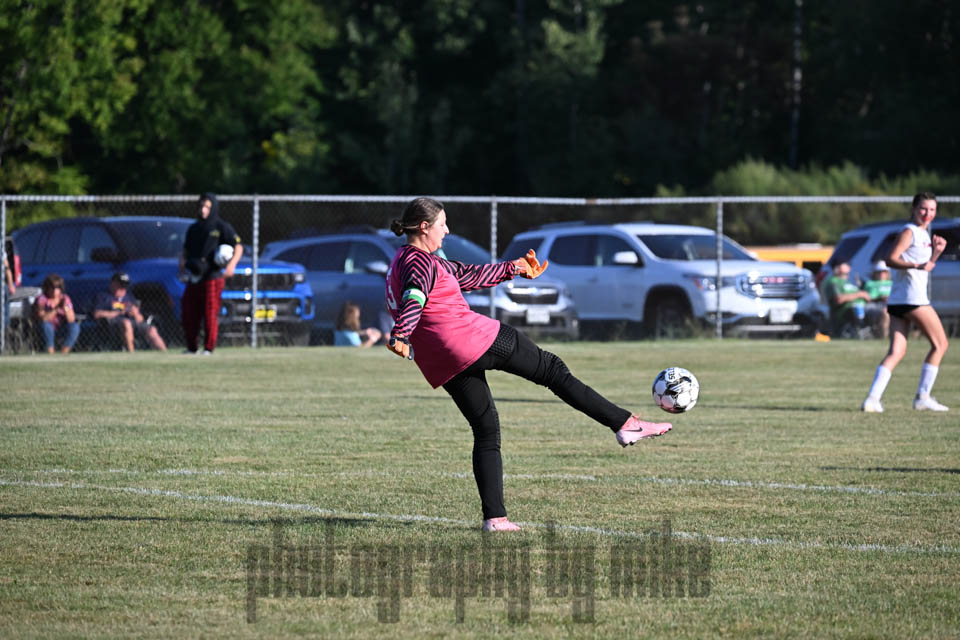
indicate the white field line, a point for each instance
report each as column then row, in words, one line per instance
column 718, row 482
column 343, row 474
column 751, row 484
column 308, row 508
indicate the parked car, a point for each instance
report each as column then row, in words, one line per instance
column 87, row 251
column 865, row 245
column 662, row 279
column 352, row 265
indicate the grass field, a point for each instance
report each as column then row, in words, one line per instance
column 134, row 487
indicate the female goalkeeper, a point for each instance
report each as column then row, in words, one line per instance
column 454, row 346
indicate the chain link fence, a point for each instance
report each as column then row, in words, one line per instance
column 86, row 239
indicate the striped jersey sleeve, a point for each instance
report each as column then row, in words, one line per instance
column 418, row 273
column 479, row 276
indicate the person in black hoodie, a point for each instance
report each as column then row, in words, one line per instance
column 201, row 265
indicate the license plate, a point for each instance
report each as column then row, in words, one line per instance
column 538, row 316
column 780, row 316
column 266, row 312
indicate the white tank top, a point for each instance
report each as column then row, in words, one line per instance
column 910, row 285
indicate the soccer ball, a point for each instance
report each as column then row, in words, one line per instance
column 223, row 255
column 676, row 390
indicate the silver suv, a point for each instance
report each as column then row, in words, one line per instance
column 662, row 278
column 863, row 246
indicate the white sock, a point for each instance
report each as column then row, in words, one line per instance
column 880, row 380
column 928, row 375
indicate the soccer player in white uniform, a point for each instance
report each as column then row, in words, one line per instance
column 913, row 257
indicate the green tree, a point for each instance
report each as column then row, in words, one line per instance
column 61, row 62
column 228, row 99
column 882, row 85
column 406, row 85
column 461, row 96
column 571, row 143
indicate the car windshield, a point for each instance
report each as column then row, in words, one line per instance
column 151, row 238
column 676, row 246
column 846, row 249
column 520, row 247
column 454, row 248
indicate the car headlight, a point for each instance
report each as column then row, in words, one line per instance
column 709, row 283
column 299, row 277
column 704, row 283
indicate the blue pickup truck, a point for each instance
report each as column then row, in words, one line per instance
column 87, row 251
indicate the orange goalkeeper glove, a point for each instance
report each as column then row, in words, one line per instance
column 529, row 267
column 400, row 346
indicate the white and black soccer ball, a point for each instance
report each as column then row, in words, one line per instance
column 676, row 390
column 223, row 255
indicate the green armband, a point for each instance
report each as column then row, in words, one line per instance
column 415, row 294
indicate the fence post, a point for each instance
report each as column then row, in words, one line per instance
column 718, row 314
column 256, row 276
column 493, row 251
column 3, row 293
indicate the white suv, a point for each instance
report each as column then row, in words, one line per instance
column 662, row 277
column 863, row 246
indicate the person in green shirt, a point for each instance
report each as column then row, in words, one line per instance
column 878, row 287
column 846, row 299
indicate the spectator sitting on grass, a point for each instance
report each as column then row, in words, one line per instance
column 54, row 313
column 120, row 312
column 846, row 299
column 349, row 333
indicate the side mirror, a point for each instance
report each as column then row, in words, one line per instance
column 106, row 254
column 626, row 258
column 378, row 267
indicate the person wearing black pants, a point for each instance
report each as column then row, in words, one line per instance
column 454, row 346
column 513, row 352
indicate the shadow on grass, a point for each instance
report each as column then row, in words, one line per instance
column 248, row 522
column 530, row 400
column 446, row 398
column 746, row 407
column 895, row 469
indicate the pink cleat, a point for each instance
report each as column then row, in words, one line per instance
column 499, row 524
column 636, row 429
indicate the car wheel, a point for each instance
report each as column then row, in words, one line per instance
column 603, row 330
column 296, row 335
column 155, row 304
column 167, row 326
column 669, row 317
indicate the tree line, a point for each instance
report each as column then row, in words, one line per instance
column 606, row 98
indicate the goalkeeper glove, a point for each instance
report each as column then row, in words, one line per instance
column 400, row 346
column 529, row 267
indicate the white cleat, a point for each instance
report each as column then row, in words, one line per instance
column 871, row 405
column 928, row 403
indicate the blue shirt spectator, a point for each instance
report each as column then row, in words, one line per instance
column 120, row 311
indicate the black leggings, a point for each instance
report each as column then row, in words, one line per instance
column 515, row 353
